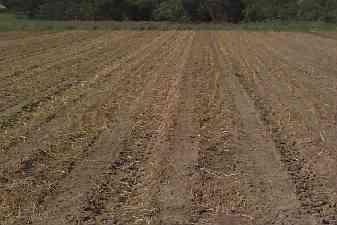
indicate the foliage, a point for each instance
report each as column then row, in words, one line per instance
column 179, row 10
column 9, row 22
column 172, row 10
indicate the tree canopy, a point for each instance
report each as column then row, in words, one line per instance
column 178, row 10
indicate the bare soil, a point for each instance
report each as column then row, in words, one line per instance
column 168, row 128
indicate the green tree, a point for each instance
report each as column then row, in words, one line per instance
column 178, row 10
column 172, row 10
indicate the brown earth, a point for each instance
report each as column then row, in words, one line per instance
column 168, row 128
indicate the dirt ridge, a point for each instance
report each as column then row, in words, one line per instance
column 163, row 128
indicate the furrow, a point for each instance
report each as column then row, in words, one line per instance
column 309, row 187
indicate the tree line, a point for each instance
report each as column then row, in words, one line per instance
column 178, row 10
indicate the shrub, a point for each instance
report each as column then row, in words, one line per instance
column 171, row 10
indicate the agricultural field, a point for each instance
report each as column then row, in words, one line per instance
column 168, row 128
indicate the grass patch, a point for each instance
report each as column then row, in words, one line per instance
column 10, row 22
column 279, row 26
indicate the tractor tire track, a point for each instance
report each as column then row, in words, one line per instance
column 167, row 128
column 57, row 56
column 40, row 44
column 92, row 139
column 116, row 134
column 307, row 185
column 42, row 84
column 88, row 89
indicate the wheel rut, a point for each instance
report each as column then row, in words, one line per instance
column 113, row 108
column 308, row 186
column 163, row 128
column 63, row 100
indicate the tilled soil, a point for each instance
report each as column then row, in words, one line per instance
column 168, row 128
